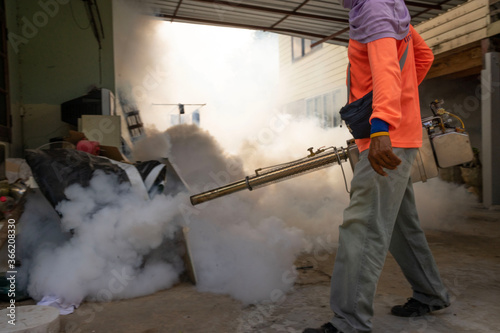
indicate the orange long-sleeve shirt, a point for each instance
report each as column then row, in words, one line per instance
column 375, row 66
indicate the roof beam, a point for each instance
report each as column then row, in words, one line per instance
column 424, row 5
column 176, row 10
column 292, row 13
column 274, row 10
column 428, row 9
column 331, row 37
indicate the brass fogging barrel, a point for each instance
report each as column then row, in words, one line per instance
column 315, row 160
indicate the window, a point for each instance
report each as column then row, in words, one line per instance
column 4, row 79
column 325, row 108
column 302, row 47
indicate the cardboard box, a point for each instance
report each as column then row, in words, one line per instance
column 112, row 153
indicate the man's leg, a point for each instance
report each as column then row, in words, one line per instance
column 411, row 250
column 364, row 240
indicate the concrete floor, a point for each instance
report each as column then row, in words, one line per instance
column 468, row 258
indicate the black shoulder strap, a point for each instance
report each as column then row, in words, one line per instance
column 401, row 65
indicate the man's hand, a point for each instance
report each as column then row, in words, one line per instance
column 381, row 156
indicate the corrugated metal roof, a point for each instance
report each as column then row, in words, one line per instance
column 321, row 20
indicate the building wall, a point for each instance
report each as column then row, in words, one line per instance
column 318, row 72
column 14, row 83
column 314, row 82
column 54, row 57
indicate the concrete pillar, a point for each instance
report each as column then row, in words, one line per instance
column 490, row 111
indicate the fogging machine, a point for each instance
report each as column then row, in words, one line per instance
column 444, row 145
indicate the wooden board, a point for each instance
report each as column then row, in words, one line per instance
column 460, row 60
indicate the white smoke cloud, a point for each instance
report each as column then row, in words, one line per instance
column 245, row 259
column 109, row 237
column 238, row 246
column 442, row 205
column 155, row 146
column 110, row 233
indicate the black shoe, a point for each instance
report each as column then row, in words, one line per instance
column 414, row 308
column 326, row 328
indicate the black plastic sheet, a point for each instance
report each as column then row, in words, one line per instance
column 56, row 169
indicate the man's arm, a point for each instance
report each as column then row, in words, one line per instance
column 423, row 56
column 386, row 74
column 386, row 79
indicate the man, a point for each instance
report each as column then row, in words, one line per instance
column 382, row 215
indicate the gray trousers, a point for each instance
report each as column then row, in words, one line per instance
column 381, row 217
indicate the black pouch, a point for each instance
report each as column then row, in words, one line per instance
column 356, row 116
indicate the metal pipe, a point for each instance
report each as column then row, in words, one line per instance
column 315, row 160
